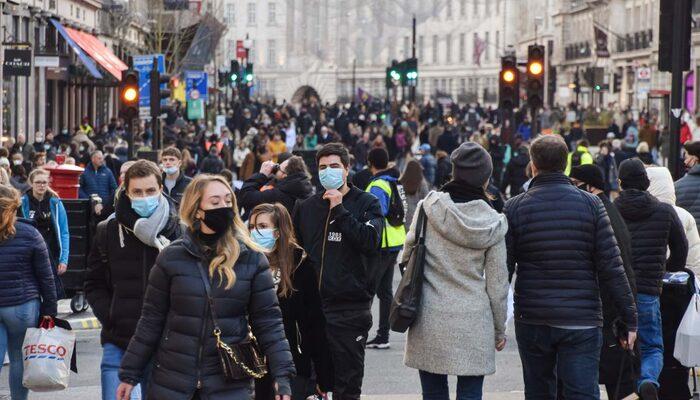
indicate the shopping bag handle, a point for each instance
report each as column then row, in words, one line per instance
column 47, row 323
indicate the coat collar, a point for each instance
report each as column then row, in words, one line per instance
column 550, row 178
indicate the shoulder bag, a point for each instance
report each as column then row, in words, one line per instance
column 404, row 307
column 240, row 360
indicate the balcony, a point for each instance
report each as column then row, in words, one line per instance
column 577, row 51
column 639, row 40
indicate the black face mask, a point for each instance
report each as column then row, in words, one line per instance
column 219, row 219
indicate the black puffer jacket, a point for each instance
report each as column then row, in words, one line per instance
column 688, row 193
column 515, row 175
column 175, row 195
column 560, row 239
column 287, row 191
column 176, row 327
column 653, row 226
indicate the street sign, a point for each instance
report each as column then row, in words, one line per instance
column 46, row 61
column 144, row 64
column 644, row 74
column 195, row 109
column 196, row 85
column 240, row 50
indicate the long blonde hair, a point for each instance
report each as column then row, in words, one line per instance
column 228, row 248
column 9, row 203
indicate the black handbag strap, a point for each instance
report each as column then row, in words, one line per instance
column 422, row 225
column 210, row 299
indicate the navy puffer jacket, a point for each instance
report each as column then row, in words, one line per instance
column 688, row 193
column 563, row 246
column 25, row 270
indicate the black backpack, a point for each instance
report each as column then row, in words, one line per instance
column 396, row 215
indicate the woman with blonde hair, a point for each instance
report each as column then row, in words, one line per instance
column 28, row 289
column 43, row 206
column 209, row 291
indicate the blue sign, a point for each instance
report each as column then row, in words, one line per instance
column 144, row 64
column 196, row 85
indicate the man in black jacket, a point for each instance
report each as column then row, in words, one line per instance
column 590, row 178
column 654, row 227
column 563, row 249
column 125, row 249
column 341, row 229
column 174, row 181
column 291, row 183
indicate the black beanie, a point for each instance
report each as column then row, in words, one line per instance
column 378, row 158
column 633, row 175
column 589, row 174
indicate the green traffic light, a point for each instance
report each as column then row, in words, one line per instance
column 597, row 87
column 234, row 77
column 249, row 77
column 412, row 75
column 395, row 75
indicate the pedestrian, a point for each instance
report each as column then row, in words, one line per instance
column 447, row 142
column 174, row 180
column 98, row 180
column 276, row 146
column 212, row 163
column 644, row 154
column 28, row 285
column 213, row 281
column 443, row 172
column 580, row 156
column 619, row 380
column 239, row 155
column 125, row 248
column 271, row 228
column 43, row 206
column 462, row 316
column 415, row 188
column 606, row 162
column 558, row 330
column 341, row 231
column 429, row 165
column 515, row 175
column 384, row 187
column 654, row 227
column 688, row 187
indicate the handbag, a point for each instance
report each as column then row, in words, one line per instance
column 240, row 360
column 404, row 307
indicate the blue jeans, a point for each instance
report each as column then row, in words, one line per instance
column 651, row 341
column 14, row 321
column 548, row 353
column 435, row 387
column 111, row 360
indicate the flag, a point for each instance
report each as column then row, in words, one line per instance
column 479, row 47
column 363, row 96
column 601, row 42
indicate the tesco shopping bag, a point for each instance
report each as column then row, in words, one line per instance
column 47, row 352
column 687, row 350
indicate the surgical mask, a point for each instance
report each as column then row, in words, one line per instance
column 331, row 178
column 171, row 170
column 265, row 238
column 145, row 206
column 47, row 146
column 219, row 219
column 17, row 162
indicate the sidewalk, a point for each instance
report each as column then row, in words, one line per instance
column 80, row 321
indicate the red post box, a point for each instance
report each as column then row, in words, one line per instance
column 65, row 180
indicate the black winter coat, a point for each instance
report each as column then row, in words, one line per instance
column 688, row 192
column 175, row 195
column 515, row 175
column 176, row 327
column 211, row 165
column 653, row 226
column 25, row 270
column 287, row 191
column 561, row 241
column 117, row 275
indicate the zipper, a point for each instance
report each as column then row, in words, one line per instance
column 323, row 249
column 201, row 339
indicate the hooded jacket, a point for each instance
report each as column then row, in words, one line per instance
column 688, row 192
column 60, row 220
column 662, row 188
column 515, row 174
column 653, row 226
column 463, row 308
column 286, row 192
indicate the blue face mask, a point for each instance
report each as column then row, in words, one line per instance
column 145, row 206
column 170, row 170
column 331, row 178
column 265, row 238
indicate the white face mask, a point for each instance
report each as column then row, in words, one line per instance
column 17, row 162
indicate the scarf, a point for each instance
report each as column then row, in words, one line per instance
column 145, row 229
column 461, row 192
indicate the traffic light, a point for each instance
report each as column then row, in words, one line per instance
column 668, row 24
column 234, row 73
column 617, row 83
column 158, row 93
column 129, row 94
column 410, row 72
column 535, row 76
column 509, row 84
column 394, row 74
column 577, row 83
column 248, row 76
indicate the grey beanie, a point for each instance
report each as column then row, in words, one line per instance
column 471, row 164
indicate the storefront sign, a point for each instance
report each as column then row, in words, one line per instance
column 46, row 61
column 18, row 62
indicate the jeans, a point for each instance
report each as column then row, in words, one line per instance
column 385, row 292
column 14, row 321
column 651, row 342
column 434, row 387
column 111, row 360
column 572, row 355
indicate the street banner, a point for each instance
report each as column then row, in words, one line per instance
column 196, row 85
column 18, row 62
column 601, row 43
column 240, row 50
column 144, row 65
column 195, row 109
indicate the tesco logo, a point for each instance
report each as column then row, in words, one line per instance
column 44, row 349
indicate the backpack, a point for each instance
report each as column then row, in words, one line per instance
column 396, row 214
column 576, row 158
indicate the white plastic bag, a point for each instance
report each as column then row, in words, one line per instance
column 687, row 350
column 47, row 353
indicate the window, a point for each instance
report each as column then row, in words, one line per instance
column 272, row 13
column 449, row 9
column 360, row 51
column 487, row 48
column 462, row 86
column 271, row 52
column 251, row 13
column 476, row 9
column 71, row 10
column 421, row 43
column 498, row 8
column 406, row 47
column 435, row 49
column 462, row 47
column 230, row 14
column 448, row 48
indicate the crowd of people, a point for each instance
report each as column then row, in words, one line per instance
column 270, row 237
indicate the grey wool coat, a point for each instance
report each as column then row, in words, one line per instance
column 463, row 309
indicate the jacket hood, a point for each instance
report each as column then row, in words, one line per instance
column 661, row 185
column 636, row 205
column 695, row 170
column 296, row 185
column 474, row 225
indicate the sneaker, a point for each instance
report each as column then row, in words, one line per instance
column 647, row 391
column 378, row 343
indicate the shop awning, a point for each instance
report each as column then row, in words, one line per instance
column 99, row 52
column 87, row 61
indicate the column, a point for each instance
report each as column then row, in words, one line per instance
column 31, row 86
column 42, row 81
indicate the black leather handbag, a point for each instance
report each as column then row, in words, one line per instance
column 404, row 307
column 239, row 361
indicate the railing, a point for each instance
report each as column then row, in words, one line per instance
column 639, row 40
column 577, row 50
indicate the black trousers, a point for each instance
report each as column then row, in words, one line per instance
column 385, row 290
column 347, row 336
